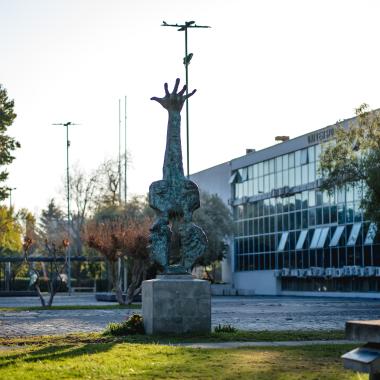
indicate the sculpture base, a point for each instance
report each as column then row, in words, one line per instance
column 176, row 304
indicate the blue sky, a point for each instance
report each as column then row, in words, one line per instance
column 265, row 68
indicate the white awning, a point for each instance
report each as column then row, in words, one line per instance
column 301, row 239
column 284, row 238
column 336, row 237
column 354, row 234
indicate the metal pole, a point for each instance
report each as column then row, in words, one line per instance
column 119, row 169
column 68, row 210
column 67, row 125
column 187, row 109
column 125, row 150
column 183, row 28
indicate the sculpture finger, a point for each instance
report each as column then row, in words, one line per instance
column 182, row 91
column 176, row 86
column 191, row 94
column 166, row 89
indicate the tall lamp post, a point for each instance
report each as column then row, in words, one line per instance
column 186, row 60
column 67, row 124
column 10, row 189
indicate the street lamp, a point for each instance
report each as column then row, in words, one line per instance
column 186, row 61
column 10, row 189
column 67, row 124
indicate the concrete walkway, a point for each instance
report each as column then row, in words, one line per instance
column 265, row 344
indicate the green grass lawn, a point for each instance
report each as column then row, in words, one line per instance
column 72, row 357
column 239, row 336
column 70, row 307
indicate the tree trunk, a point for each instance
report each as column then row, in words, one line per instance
column 138, row 273
column 43, row 304
column 116, row 283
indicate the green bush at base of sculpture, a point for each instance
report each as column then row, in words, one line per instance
column 133, row 325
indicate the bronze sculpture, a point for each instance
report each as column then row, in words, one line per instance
column 175, row 240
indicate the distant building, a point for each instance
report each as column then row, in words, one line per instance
column 291, row 238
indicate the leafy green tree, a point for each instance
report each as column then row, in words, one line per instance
column 216, row 220
column 10, row 232
column 353, row 159
column 7, row 144
column 52, row 223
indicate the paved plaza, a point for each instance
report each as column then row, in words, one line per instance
column 247, row 313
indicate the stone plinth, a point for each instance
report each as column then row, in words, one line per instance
column 176, row 304
column 364, row 331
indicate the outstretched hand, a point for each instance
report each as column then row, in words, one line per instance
column 174, row 101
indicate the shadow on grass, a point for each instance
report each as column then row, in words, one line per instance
column 56, row 352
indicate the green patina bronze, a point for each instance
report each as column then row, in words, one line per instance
column 175, row 240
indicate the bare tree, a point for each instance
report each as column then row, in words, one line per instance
column 56, row 277
column 117, row 238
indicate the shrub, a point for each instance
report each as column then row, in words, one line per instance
column 225, row 329
column 133, row 325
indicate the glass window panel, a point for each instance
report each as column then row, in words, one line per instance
column 315, row 239
column 298, row 225
column 354, row 234
column 312, row 217
column 279, row 223
column 285, row 202
column 285, row 178
column 250, row 187
column 369, row 239
column 298, row 177
column 266, row 183
column 292, row 220
column 292, row 203
column 357, row 212
column 285, row 162
column 318, row 150
column 333, row 214
column 349, row 193
column 305, row 199
column 322, row 237
column 279, row 205
column 255, row 170
column 291, row 160
column 291, row 177
column 250, row 172
column 271, row 165
column 311, row 198
column 301, row 239
column 278, row 180
column 298, row 201
column 260, row 169
column 305, row 223
column 305, row 174
column 266, row 167
column 261, row 185
column 326, row 215
column 285, row 222
column 350, row 213
column 244, row 174
column 341, row 195
column 281, row 244
column 319, row 215
column 311, row 153
column 271, row 182
column 304, row 156
column 245, row 189
column 297, row 158
column 318, row 198
column 278, row 163
column 341, row 214
column 311, row 172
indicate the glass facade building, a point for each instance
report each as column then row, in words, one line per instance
column 302, row 238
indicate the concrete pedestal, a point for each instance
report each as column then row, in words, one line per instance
column 176, row 304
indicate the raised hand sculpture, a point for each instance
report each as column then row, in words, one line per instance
column 175, row 240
